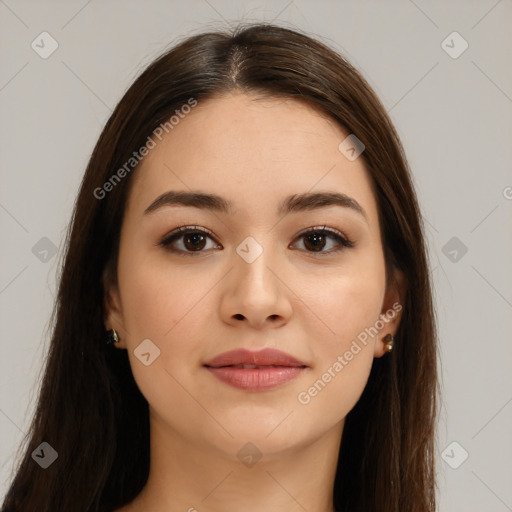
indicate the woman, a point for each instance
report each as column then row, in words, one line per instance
column 244, row 317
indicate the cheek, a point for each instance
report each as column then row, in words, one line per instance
column 159, row 304
column 349, row 306
column 167, row 305
column 348, row 300
column 156, row 296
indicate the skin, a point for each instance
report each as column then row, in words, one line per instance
column 254, row 152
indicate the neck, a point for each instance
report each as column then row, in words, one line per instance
column 187, row 476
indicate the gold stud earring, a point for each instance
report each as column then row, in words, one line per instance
column 112, row 336
column 388, row 340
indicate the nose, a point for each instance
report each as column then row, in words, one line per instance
column 256, row 293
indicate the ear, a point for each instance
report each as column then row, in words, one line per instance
column 392, row 308
column 112, row 309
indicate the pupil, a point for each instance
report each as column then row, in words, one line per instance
column 317, row 238
column 195, row 237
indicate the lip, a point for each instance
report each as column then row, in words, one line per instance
column 278, row 368
column 265, row 357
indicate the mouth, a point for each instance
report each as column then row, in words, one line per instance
column 255, row 371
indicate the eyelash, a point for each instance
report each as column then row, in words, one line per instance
column 342, row 241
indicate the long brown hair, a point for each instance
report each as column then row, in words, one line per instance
column 90, row 409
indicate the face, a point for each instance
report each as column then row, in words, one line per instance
column 303, row 277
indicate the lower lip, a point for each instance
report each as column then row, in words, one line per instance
column 255, row 379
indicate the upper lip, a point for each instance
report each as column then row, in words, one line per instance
column 265, row 357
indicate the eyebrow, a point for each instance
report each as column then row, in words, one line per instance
column 292, row 204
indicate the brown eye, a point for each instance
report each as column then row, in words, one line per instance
column 187, row 240
column 194, row 241
column 315, row 240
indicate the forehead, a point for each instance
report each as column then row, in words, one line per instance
column 253, row 151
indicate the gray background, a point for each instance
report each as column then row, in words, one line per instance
column 455, row 119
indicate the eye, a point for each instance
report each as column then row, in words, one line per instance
column 191, row 239
column 315, row 240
